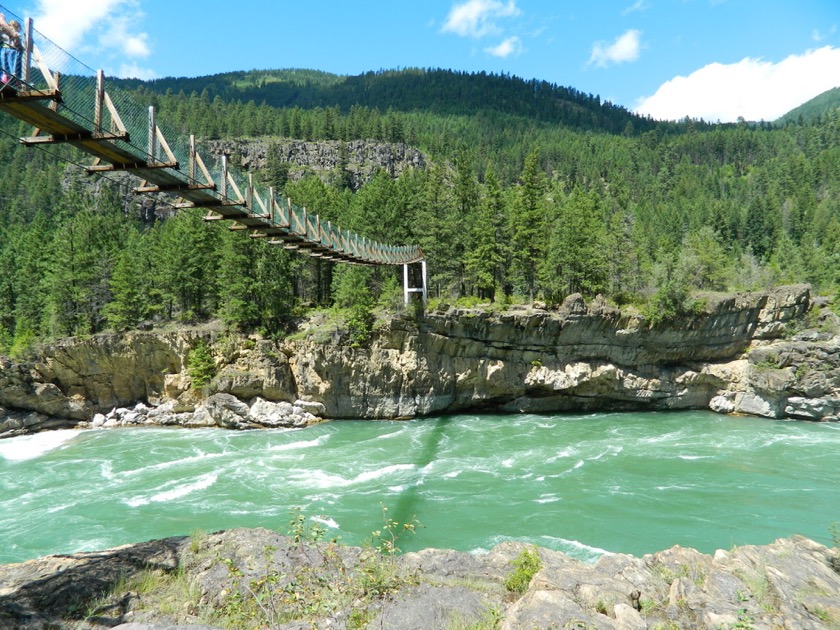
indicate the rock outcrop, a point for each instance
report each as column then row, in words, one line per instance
column 359, row 160
column 258, row 578
column 750, row 353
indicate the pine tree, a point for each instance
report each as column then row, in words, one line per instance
column 485, row 254
column 528, row 223
column 576, row 261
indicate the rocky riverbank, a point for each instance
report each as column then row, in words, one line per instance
column 257, row 578
column 774, row 354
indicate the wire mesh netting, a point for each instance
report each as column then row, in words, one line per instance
column 46, row 66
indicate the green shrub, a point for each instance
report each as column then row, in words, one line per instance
column 525, row 567
column 200, row 365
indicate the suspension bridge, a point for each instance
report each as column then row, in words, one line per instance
column 67, row 102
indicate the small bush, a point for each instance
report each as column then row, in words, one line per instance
column 525, row 568
column 200, row 365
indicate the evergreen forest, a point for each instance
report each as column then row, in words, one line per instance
column 530, row 191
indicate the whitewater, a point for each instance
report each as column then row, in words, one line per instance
column 583, row 484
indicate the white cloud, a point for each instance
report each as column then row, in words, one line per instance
column 477, row 18
column 102, row 25
column 752, row 88
column 639, row 5
column 118, row 37
column 819, row 36
column 133, row 71
column 626, row 47
column 508, row 47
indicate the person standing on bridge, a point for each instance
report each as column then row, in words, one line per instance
column 11, row 49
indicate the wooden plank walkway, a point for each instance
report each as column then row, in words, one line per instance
column 108, row 141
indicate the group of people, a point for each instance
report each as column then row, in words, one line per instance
column 11, row 53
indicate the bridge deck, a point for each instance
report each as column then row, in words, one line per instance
column 46, row 108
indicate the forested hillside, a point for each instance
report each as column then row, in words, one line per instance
column 533, row 192
column 440, row 92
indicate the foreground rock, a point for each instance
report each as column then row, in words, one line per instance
column 257, row 578
column 772, row 354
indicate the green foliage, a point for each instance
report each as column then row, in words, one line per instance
column 320, row 588
column 200, row 365
column 303, row 531
column 673, row 297
column 352, row 293
column 576, row 261
column 515, row 198
column 491, row 619
column 81, row 260
column 385, row 540
column 525, row 567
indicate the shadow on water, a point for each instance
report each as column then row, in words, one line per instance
column 405, row 509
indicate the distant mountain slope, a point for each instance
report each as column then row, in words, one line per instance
column 818, row 106
column 442, row 92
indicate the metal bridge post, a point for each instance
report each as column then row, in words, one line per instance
column 192, row 159
column 421, row 289
column 224, row 176
column 152, row 135
column 97, row 104
column 425, row 283
column 27, row 52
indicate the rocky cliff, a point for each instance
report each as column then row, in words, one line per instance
column 257, row 578
column 771, row 354
column 359, row 159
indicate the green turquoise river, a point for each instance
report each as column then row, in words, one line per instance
column 582, row 484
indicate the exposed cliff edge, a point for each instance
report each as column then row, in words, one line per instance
column 258, row 578
column 769, row 354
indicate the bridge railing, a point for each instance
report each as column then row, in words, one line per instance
column 134, row 127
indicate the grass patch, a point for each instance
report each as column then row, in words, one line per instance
column 525, row 567
column 323, row 587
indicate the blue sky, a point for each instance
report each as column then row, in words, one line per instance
column 710, row 59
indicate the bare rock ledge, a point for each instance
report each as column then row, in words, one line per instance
column 213, row 580
column 773, row 354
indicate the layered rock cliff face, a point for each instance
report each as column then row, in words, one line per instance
column 743, row 354
column 359, row 159
column 258, row 578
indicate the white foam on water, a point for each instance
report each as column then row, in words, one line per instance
column 548, row 498
column 173, row 463
column 25, row 447
column 382, row 472
column 575, row 548
column 508, row 463
column 664, row 437
column 181, row 490
column 566, row 452
column 302, row 444
column 90, row 544
column 693, row 457
column 106, row 469
column 324, row 480
column 388, row 436
column 611, row 450
column 325, row 520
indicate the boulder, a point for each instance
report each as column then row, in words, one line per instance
column 228, row 411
